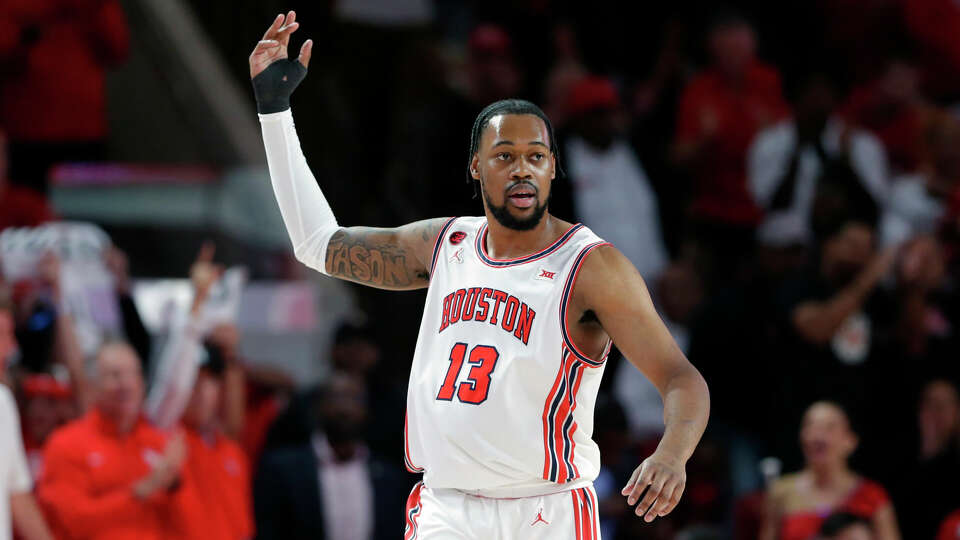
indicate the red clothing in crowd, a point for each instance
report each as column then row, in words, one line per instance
column 950, row 529
column 263, row 407
column 900, row 128
column 934, row 26
column 218, row 474
column 23, row 207
column 53, row 54
column 86, row 490
column 858, row 43
column 710, row 104
column 866, row 499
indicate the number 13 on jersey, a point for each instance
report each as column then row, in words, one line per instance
column 473, row 390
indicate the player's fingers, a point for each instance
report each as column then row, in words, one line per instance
column 664, row 501
column 656, row 488
column 266, row 45
column 277, row 22
column 639, row 489
column 306, row 50
column 283, row 35
column 288, row 20
column 674, row 499
column 630, row 483
column 643, row 483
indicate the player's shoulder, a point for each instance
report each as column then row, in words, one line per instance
column 603, row 261
column 473, row 223
column 425, row 229
column 468, row 225
column 577, row 236
column 455, row 229
column 605, row 277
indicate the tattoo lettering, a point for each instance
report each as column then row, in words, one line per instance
column 385, row 258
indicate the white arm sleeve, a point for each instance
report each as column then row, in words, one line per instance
column 306, row 213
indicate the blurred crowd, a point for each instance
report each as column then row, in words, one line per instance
column 786, row 180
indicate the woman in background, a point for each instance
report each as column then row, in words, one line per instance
column 798, row 503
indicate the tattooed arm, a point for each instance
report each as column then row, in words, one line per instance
column 386, row 258
column 396, row 258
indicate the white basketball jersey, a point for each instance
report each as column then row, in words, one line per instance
column 500, row 401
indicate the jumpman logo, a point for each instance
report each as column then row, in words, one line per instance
column 540, row 519
column 457, row 256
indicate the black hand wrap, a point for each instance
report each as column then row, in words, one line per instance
column 274, row 85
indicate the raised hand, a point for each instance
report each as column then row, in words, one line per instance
column 274, row 75
column 203, row 274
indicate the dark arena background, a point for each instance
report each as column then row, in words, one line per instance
column 784, row 175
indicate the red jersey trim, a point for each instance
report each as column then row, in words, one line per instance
column 567, row 294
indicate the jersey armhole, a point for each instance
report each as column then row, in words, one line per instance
column 439, row 243
column 565, row 300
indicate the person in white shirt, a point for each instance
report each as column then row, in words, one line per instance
column 18, row 509
column 789, row 161
column 918, row 201
column 16, row 498
column 611, row 192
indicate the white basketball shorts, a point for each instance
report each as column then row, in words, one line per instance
column 449, row 514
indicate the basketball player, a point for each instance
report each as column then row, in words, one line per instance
column 521, row 311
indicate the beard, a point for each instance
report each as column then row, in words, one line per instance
column 504, row 217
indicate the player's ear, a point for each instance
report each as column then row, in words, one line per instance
column 475, row 167
column 553, row 166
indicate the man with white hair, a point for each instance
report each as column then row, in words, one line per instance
column 110, row 474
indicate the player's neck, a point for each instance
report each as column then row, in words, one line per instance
column 506, row 243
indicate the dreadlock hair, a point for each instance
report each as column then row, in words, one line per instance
column 508, row 106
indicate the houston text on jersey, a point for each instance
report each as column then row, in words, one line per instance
column 480, row 304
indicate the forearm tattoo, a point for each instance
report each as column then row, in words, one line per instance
column 384, row 258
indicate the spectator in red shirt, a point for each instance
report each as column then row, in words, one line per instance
column 892, row 108
column 110, row 475
column 798, row 503
column 47, row 404
column 19, row 206
column 216, row 470
column 934, row 26
column 950, row 529
column 53, row 57
column 721, row 110
column 846, row 526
